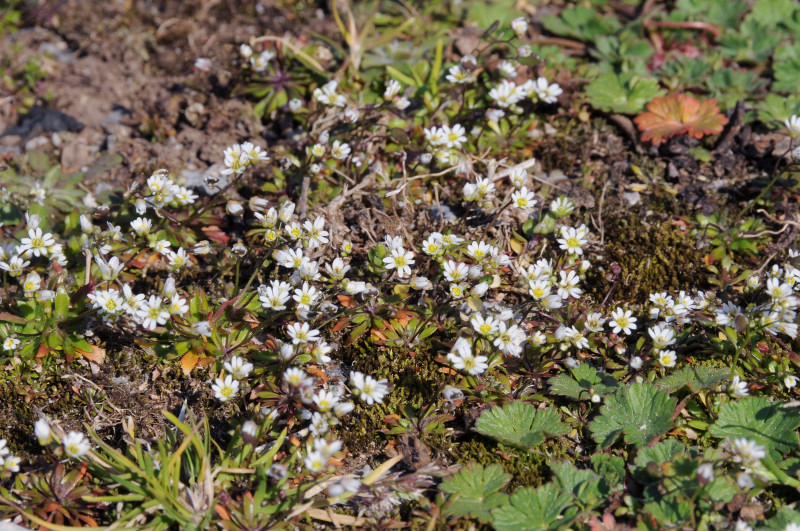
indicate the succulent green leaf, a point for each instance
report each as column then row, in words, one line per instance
column 755, row 418
column 520, row 424
column 640, row 412
column 530, row 509
column 476, row 491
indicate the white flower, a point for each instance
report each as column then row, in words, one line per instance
column 706, row 472
column 315, row 461
column 546, row 92
column 473, row 365
column 294, row 376
column 636, row 363
column 667, row 358
column 790, row 381
column 455, row 136
column 456, row 74
column 238, row 367
column 455, row 271
column 420, row 283
column 14, row 266
column 302, row 333
column 75, row 444
column 748, row 452
column 519, row 26
column 368, row 388
column 41, row 429
column 306, row 297
column 594, row 322
column 793, row 125
column 401, row 260
column 340, row 150
column 315, row 233
column 37, row 243
column 562, row 207
column 225, row 389
column 487, row 326
column 10, row 343
column 523, row 199
column 153, row 313
column 141, row 226
column 662, row 336
column 738, row 386
column 572, row 240
column 393, row 88
column 327, row 95
column 621, row 321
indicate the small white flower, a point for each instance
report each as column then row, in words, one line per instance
column 368, row 388
column 621, row 321
column 75, row 444
column 225, row 389
column 793, row 125
column 738, row 387
column 667, row 358
column 238, row 367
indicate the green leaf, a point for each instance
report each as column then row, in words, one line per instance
column 520, row 424
column 756, row 419
column 477, row 489
column 585, row 485
column 661, row 452
column 581, row 23
column 640, row 412
column 670, row 511
column 611, row 468
column 584, row 381
column 626, row 93
column 530, row 509
column 697, row 378
column 781, row 521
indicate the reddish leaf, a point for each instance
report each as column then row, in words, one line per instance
column 679, row 114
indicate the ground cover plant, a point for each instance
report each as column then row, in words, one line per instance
column 411, row 265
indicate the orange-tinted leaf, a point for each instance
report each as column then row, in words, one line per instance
column 97, row 354
column 346, row 301
column 679, row 114
column 188, row 362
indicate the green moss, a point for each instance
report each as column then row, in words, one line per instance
column 527, row 468
column 652, row 258
column 415, row 381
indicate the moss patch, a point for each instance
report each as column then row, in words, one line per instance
column 652, row 258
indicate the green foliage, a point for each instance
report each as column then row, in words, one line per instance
column 639, row 412
column 580, row 23
column 757, row 419
column 521, row 424
column 530, row 509
column 475, row 491
column 696, row 378
column 626, row 93
column 583, row 383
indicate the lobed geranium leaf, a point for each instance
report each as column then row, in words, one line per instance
column 679, row 114
column 477, row 489
column 520, row 424
column 584, row 382
column 625, row 93
column 697, row 378
column 530, row 509
column 640, row 412
column 755, row 418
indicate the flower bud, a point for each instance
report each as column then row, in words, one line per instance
column 258, row 204
column 86, row 224
column 201, row 247
column 286, row 211
column 239, row 249
column 234, row 208
column 169, row 287
column 250, row 432
column 42, row 431
column 421, row 283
